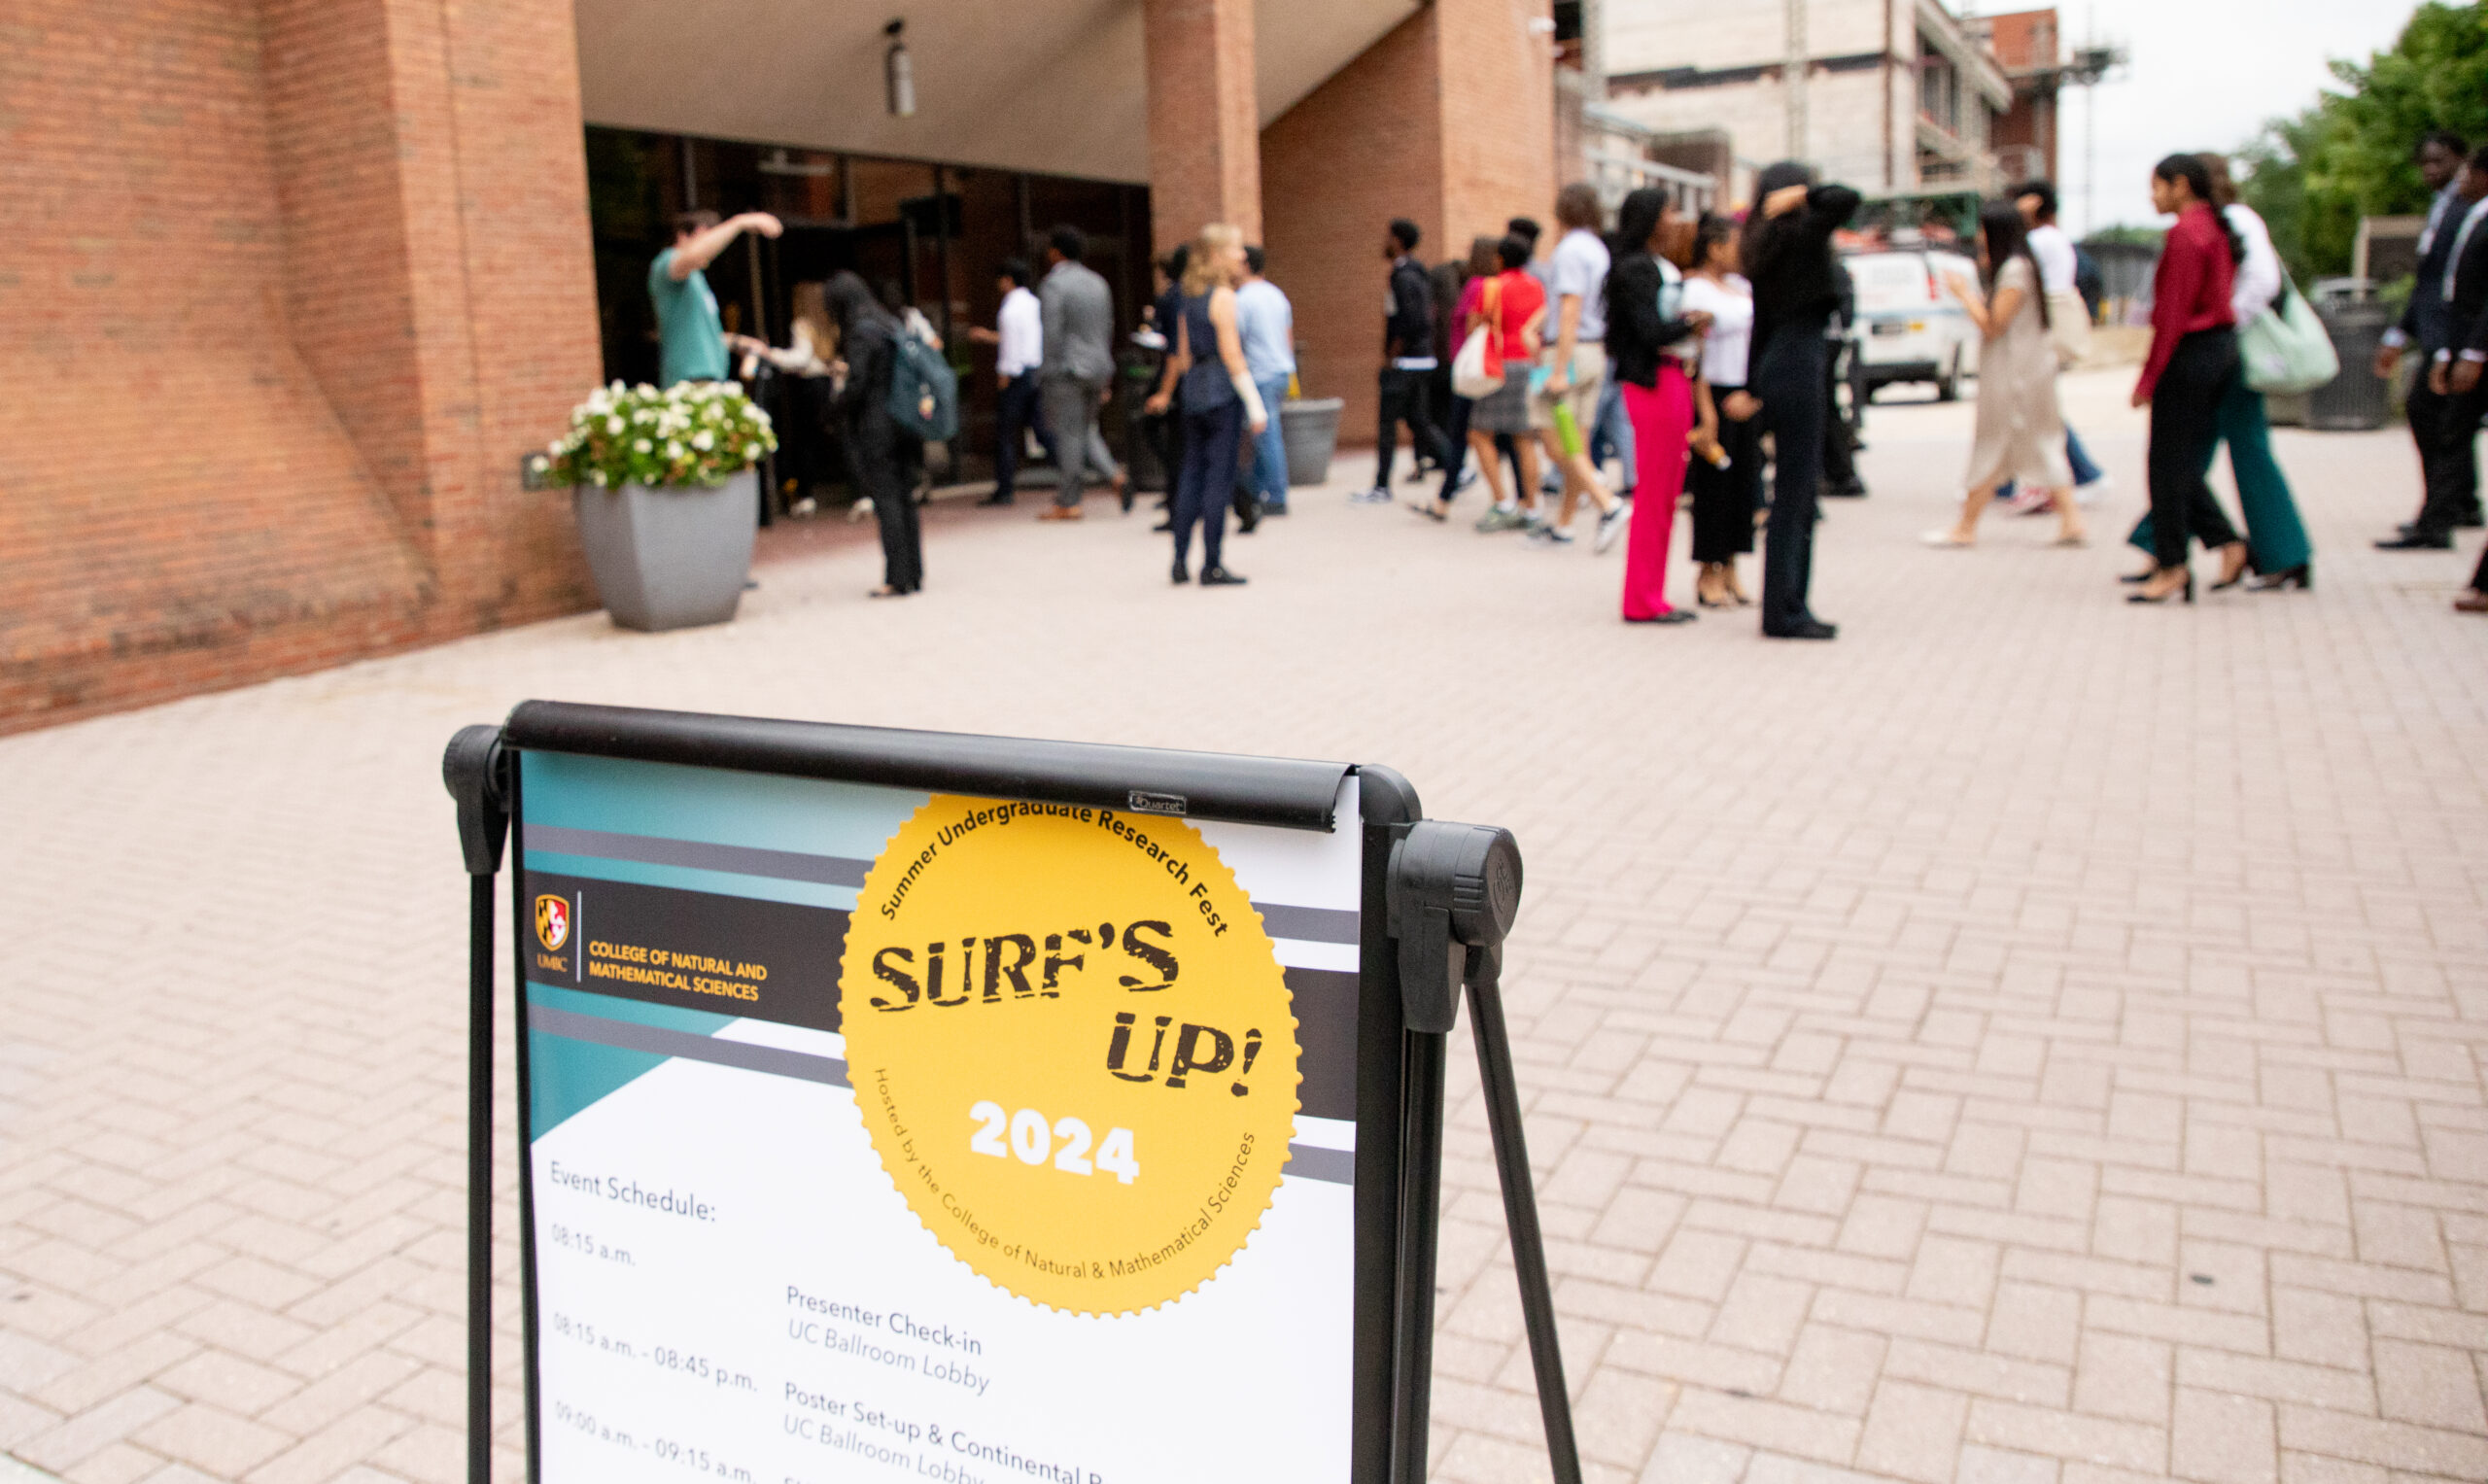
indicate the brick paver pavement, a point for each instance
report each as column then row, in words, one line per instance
column 2031, row 1041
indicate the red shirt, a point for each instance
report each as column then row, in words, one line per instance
column 1521, row 296
column 2191, row 291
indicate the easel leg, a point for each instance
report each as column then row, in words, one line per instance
column 1520, row 1214
column 479, row 1179
column 1420, row 1218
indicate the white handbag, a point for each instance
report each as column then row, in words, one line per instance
column 2285, row 349
column 1471, row 376
column 2069, row 325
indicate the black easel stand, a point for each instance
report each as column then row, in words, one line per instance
column 1455, row 890
column 473, row 771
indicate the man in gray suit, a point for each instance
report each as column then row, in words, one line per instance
column 1078, row 364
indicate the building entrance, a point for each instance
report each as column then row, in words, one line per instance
column 929, row 236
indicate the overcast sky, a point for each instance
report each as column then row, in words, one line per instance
column 2206, row 74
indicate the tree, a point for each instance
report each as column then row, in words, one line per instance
column 2313, row 177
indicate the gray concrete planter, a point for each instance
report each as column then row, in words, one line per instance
column 671, row 558
column 1309, row 430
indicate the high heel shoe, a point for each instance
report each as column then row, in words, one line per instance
column 2301, row 577
column 2237, row 575
column 2145, row 575
column 2188, row 590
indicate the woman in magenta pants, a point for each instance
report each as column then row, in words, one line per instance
column 1652, row 342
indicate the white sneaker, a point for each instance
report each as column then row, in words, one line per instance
column 2094, row 492
column 1611, row 525
column 1377, row 496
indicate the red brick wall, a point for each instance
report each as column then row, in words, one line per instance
column 1447, row 120
column 1202, row 119
column 1499, row 118
column 287, row 305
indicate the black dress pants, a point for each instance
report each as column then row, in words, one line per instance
column 873, row 443
column 2185, row 428
column 1403, row 400
column 1788, row 377
column 1839, row 444
column 1212, row 441
column 1015, row 412
column 2447, row 428
column 1456, row 438
column 1724, row 499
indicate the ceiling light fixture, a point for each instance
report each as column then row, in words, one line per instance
column 898, row 72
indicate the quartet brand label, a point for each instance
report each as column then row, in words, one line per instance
column 1072, row 1047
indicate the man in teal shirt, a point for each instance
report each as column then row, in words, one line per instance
column 692, row 338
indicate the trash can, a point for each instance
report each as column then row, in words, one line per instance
column 2356, row 400
column 1311, row 428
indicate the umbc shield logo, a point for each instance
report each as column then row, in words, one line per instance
column 552, row 922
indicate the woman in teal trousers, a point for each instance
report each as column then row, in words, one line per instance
column 2276, row 542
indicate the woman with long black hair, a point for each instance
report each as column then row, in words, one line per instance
column 1654, row 342
column 867, row 344
column 2188, row 372
column 1725, row 474
column 1484, row 263
column 2276, row 535
column 1787, row 253
column 2021, row 428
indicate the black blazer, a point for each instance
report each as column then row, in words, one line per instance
column 1795, row 280
column 2426, row 320
column 2468, row 309
column 1636, row 334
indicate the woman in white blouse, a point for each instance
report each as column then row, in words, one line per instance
column 1726, row 473
column 802, row 458
column 2279, row 550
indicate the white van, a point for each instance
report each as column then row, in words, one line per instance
column 1908, row 326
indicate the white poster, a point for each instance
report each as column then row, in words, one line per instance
column 1090, row 1221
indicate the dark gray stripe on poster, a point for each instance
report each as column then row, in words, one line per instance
column 1338, row 1166
column 1303, row 1160
column 700, row 855
column 1307, row 924
column 775, row 1060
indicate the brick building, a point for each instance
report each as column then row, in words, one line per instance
column 302, row 284
column 2027, row 45
column 1894, row 96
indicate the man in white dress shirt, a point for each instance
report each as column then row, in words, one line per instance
column 1019, row 336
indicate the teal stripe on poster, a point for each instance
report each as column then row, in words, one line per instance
column 724, row 883
column 713, row 804
column 585, row 1002
column 566, row 1077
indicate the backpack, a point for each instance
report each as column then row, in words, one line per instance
column 924, row 392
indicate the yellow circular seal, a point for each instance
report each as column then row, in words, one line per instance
column 1072, row 1046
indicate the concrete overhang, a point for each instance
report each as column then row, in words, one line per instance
column 1055, row 86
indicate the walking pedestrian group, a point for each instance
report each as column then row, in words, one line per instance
column 1697, row 355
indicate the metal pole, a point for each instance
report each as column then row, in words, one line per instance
column 1793, row 79
column 479, row 1178
column 2090, row 132
column 1520, row 1208
column 1594, row 51
column 473, row 771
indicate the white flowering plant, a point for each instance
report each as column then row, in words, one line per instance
column 690, row 434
